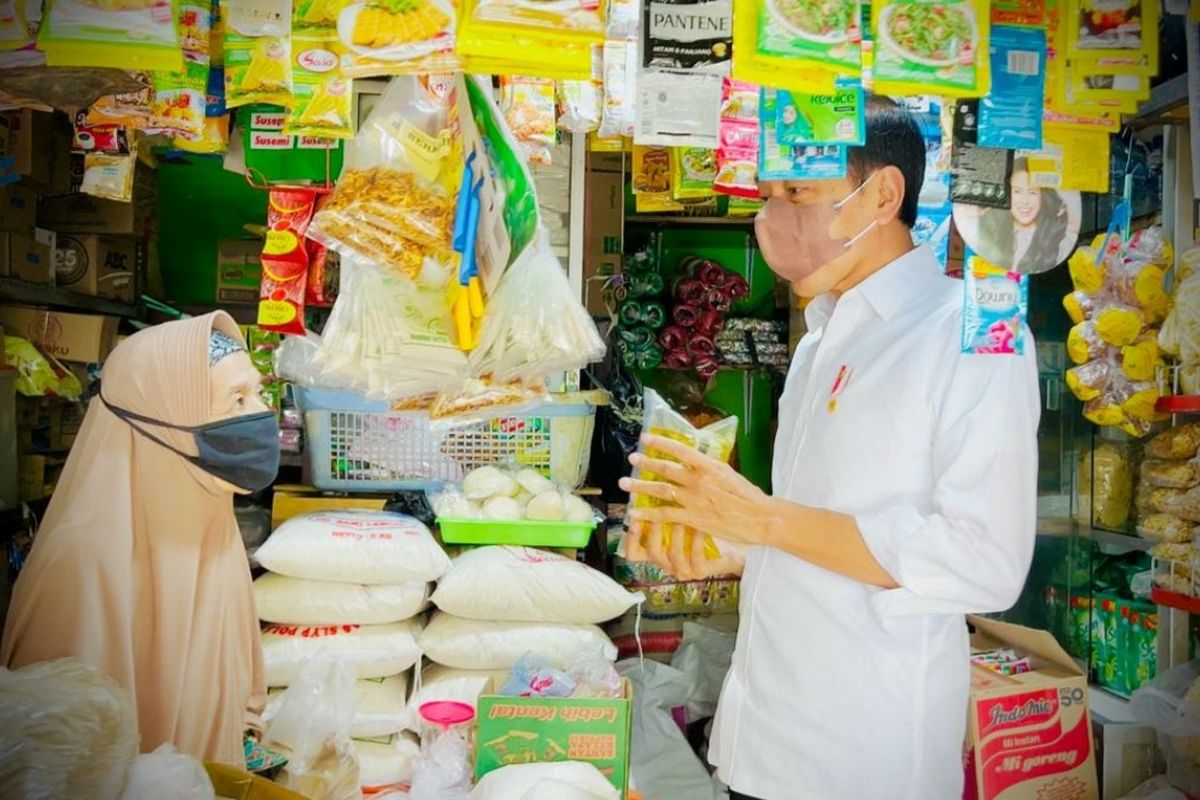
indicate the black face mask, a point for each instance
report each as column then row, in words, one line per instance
column 243, row 451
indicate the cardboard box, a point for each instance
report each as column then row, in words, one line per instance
column 1030, row 734
column 603, row 229
column 82, row 213
column 96, row 265
column 520, row 730
column 40, row 146
column 239, row 270
column 292, row 501
column 85, row 338
column 18, row 209
column 27, row 259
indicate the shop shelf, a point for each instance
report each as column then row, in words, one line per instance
column 1120, row 539
column 1175, row 600
column 736, row 222
column 14, row 290
column 1168, row 96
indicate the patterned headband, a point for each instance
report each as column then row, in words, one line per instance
column 221, row 345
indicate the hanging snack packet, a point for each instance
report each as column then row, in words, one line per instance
column 137, row 36
column 1027, row 13
column 821, row 118
column 1127, row 28
column 778, row 161
column 624, row 18
column 322, row 97
column 258, row 53
column 995, row 306
column 737, row 153
column 109, row 176
column 651, row 169
column 1010, row 115
column 824, row 33
column 930, row 47
column 285, row 260
column 179, row 102
column 528, row 108
column 978, row 175
column 1070, row 159
column 386, row 37
column 579, row 105
column 620, row 67
column 195, row 29
column 716, row 441
column 693, row 170
column 753, row 65
column 128, row 110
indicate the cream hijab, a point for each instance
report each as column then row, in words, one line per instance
column 139, row 568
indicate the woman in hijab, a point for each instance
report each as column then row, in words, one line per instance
column 139, row 568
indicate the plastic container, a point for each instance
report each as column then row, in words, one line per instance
column 359, row 445
column 527, row 533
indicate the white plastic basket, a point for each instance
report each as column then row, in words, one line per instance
column 359, row 445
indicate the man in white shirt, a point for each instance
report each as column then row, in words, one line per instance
column 904, row 498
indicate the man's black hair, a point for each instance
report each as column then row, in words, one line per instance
column 893, row 140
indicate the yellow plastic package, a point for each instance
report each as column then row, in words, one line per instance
column 124, row 34
column 716, row 441
column 512, row 37
column 38, row 374
column 1105, row 486
column 396, row 37
column 1070, row 159
column 1123, row 29
column 528, row 107
column 258, row 52
column 322, row 97
column 924, row 47
column 693, row 170
column 1140, row 361
column 753, row 63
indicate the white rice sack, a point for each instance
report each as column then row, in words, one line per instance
column 446, row 684
column 354, row 546
column 523, row 584
column 382, row 703
column 279, row 598
column 480, row 644
column 522, row 781
column 386, row 764
column 374, row 651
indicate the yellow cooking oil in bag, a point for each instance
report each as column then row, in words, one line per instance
column 715, row 440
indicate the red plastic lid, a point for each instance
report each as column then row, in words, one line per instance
column 446, row 713
column 1178, row 404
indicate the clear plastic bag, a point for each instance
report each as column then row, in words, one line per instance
column 66, row 730
column 394, row 203
column 579, row 105
column 1180, row 442
column 167, row 773
column 535, row 324
column 1171, row 474
column 313, row 721
column 1165, row 528
column 443, row 770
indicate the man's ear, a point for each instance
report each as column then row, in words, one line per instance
column 891, row 194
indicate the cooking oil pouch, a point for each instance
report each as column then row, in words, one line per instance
column 995, row 306
column 716, row 441
column 930, row 47
column 322, row 99
column 258, row 52
column 824, row 33
column 693, row 171
column 777, row 161
column 840, row 118
column 1010, row 115
column 129, row 35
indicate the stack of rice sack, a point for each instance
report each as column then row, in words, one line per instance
column 352, row 584
column 1168, row 502
column 498, row 603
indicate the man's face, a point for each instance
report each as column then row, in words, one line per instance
column 800, row 231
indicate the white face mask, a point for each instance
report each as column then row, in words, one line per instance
column 794, row 237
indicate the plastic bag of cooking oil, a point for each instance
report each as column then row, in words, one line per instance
column 716, row 440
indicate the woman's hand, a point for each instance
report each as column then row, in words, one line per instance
column 704, row 494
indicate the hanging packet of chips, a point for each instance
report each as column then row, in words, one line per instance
column 285, row 259
column 528, row 108
column 258, row 52
column 322, row 97
column 737, row 152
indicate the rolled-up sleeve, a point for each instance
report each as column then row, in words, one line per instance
column 970, row 550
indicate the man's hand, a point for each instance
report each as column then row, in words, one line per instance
column 702, row 493
column 684, row 559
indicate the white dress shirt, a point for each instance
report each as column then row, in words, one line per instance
column 843, row 691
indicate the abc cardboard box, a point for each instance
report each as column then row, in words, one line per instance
column 1031, row 734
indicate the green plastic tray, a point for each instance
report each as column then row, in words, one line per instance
column 524, row 532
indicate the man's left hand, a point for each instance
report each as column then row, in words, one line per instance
column 706, row 494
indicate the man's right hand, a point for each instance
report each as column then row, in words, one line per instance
column 684, row 559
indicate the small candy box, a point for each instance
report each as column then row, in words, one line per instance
column 995, row 304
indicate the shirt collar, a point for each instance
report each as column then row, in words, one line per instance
column 886, row 291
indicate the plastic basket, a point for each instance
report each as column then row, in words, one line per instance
column 526, row 533
column 359, row 445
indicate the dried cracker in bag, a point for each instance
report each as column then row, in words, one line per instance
column 716, row 440
column 1180, row 442
column 1165, row 528
column 1171, row 474
column 528, row 108
column 394, row 203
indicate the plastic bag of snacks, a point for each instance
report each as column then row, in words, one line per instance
column 1171, row 474
column 528, row 107
column 716, row 441
column 579, row 105
column 1181, row 442
column 394, row 204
